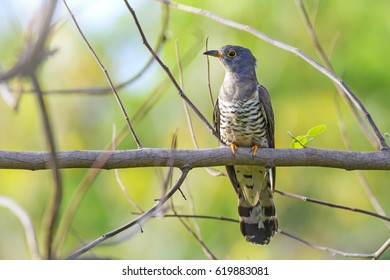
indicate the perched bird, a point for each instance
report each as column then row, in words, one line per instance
column 243, row 117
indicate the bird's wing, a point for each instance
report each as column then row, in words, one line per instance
column 216, row 119
column 265, row 101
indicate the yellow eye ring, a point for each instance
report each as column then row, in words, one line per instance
column 231, row 53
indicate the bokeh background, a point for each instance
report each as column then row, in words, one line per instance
column 356, row 36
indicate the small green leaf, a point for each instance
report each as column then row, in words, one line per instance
column 302, row 139
column 316, row 130
column 299, row 142
column 387, row 135
column 296, row 145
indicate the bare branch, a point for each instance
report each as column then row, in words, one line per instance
column 169, row 73
column 338, row 81
column 212, row 171
column 205, row 249
column 195, row 235
column 138, row 221
column 30, row 59
column 374, row 255
column 328, row 64
column 341, row 123
column 207, row 217
column 374, row 201
column 152, row 157
column 323, row 248
column 353, row 209
column 127, row 119
column 95, row 170
column 382, row 249
column 34, row 52
column 208, row 73
column 54, row 205
column 105, row 90
column 77, row 197
column 118, row 178
column 25, row 220
column 181, row 79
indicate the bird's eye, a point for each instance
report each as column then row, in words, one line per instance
column 231, row 53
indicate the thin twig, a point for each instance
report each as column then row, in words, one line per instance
column 349, row 93
column 375, row 255
column 122, row 187
column 54, row 206
column 194, row 216
column 127, row 119
column 328, row 64
column 208, row 73
column 34, row 52
column 96, row 166
column 198, row 233
column 326, row 61
column 105, row 90
column 205, row 249
column 168, row 178
column 374, row 201
column 382, row 249
column 189, row 120
column 169, row 73
column 25, row 220
column 77, row 197
column 212, row 171
column 10, row 97
column 296, row 140
column 153, row 98
column 138, row 221
column 312, row 200
column 323, row 248
column 362, row 179
column 118, row 179
column 30, row 59
column 165, row 185
column 162, row 86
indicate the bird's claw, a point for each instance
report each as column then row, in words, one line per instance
column 254, row 149
column 233, row 147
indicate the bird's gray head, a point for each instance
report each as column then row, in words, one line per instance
column 235, row 59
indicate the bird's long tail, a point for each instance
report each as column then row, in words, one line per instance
column 254, row 188
column 258, row 223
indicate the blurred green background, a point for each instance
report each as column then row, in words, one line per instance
column 355, row 34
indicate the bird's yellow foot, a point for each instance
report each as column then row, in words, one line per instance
column 233, row 147
column 254, row 149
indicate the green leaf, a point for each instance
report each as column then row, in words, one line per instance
column 317, row 130
column 299, row 142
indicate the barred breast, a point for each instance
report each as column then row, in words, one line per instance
column 243, row 123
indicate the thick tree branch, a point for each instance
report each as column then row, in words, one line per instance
column 151, row 157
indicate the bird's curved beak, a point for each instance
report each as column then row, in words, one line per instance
column 215, row 53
